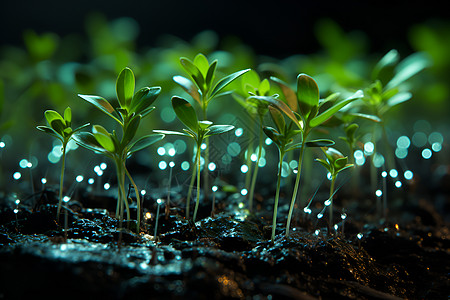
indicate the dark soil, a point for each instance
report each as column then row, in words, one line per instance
column 228, row 256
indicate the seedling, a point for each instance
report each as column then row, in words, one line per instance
column 283, row 136
column 60, row 128
column 202, row 88
column 303, row 108
column 132, row 108
column 335, row 163
column 198, row 131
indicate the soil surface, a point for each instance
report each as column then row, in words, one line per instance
column 227, row 256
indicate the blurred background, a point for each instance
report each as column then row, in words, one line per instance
column 51, row 51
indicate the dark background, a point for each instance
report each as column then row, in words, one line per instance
column 277, row 28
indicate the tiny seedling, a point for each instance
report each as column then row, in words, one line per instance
column 283, row 137
column 60, row 128
column 335, row 163
column 133, row 107
column 198, row 131
column 202, row 88
column 302, row 107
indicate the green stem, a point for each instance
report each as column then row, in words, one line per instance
column 138, row 199
column 61, row 180
column 255, row 172
column 297, row 183
column 333, row 180
column 198, row 182
column 191, row 186
column 277, row 195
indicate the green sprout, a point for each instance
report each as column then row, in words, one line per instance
column 335, row 163
column 202, row 88
column 60, row 128
column 133, row 108
column 198, row 131
column 302, row 107
column 283, row 136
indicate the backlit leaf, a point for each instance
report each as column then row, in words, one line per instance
column 289, row 94
column 188, row 86
column 218, row 129
column 307, row 93
column 144, row 142
column 320, row 143
column 226, row 81
column 185, row 113
column 125, row 87
column 144, row 98
column 101, row 104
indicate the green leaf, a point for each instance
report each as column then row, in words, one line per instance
column 366, row 116
column 334, row 109
column 103, row 138
column 144, row 142
column 218, row 129
column 340, row 163
column 68, row 116
column 325, row 164
column 399, row 98
column 185, row 113
column 289, row 94
column 320, row 143
column 226, row 81
column 170, row 132
column 125, row 87
column 88, row 141
column 264, row 88
column 281, row 106
column 189, row 87
column 131, row 128
column 194, row 72
column 409, row 67
column 347, row 166
column 389, row 59
column 307, row 93
column 52, row 115
column 273, row 134
column 202, row 63
column 332, row 154
column 277, row 118
column 50, row 131
column 81, row 127
column 144, row 98
column 101, row 104
column 293, row 147
column 146, row 111
column 209, row 78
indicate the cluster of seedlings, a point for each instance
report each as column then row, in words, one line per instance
column 295, row 114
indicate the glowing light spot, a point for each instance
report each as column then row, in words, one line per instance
column 17, row 175
column 293, row 164
column 336, row 227
column 2, row 145
column 211, row 166
column 268, row 141
column 100, row 173
column 393, row 173
column 419, row 139
column 435, row 137
column 329, row 177
column 79, row 178
column 244, row 169
column 436, row 147
column 97, row 169
column 43, row 180
column 378, row 160
column 66, row 199
column 426, row 153
column 203, row 146
column 167, row 115
column 384, row 174
column 397, row 227
column 408, row 175
column 162, row 165
column 23, row 163
column 254, row 157
column 359, row 157
column 398, row 184
column 16, row 210
column 159, row 201
column 327, row 202
column 17, row 202
column 106, row 186
column 214, row 188
column 343, row 216
column 172, row 152
column 403, row 142
column 238, row 132
column 262, row 162
column 143, row 192
column 285, row 169
column 360, row 235
column 307, row 210
column 91, row 181
column 171, row 164
column 368, row 148
column 244, row 192
column 185, row 165
column 317, row 232
column 103, row 166
column 161, row 151
column 226, row 159
column 378, row 193
column 53, row 158
column 148, row 216
column 233, row 149
column 241, row 205
column 319, row 215
column 180, row 146
column 401, row 153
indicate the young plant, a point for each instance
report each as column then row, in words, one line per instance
column 203, row 88
column 60, row 128
column 198, row 131
column 133, row 107
column 283, row 136
column 335, row 163
column 302, row 107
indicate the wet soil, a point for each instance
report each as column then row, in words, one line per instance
column 227, row 256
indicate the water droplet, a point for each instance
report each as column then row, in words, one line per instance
column 238, row 132
column 43, row 180
column 327, row 202
column 307, row 210
column 343, row 216
column 359, row 235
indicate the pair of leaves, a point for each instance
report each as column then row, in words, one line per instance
column 202, row 88
column 336, row 162
column 196, row 129
column 60, row 126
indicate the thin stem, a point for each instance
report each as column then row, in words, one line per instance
column 333, row 180
column 255, row 172
column 168, row 192
column 138, row 199
column 277, row 195
column 198, row 182
column 297, row 183
column 191, row 186
column 61, row 180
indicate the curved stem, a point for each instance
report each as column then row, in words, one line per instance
column 61, row 180
column 297, row 183
column 277, row 195
column 255, row 172
column 138, row 199
column 198, row 182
